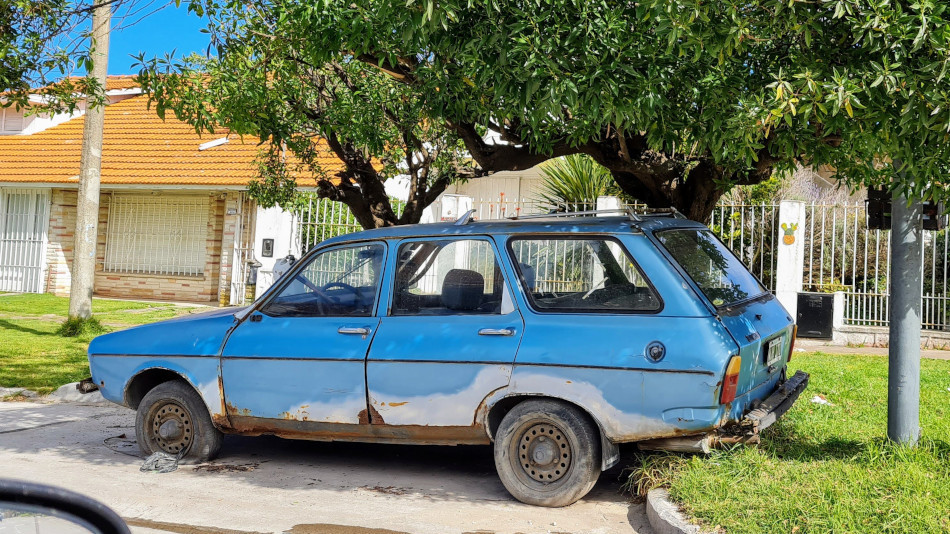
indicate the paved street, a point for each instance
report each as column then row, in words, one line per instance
column 271, row 485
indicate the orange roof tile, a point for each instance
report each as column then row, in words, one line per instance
column 139, row 149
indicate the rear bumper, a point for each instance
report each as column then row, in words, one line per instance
column 746, row 430
column 776, row 404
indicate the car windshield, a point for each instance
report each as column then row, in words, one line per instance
column 714, row 268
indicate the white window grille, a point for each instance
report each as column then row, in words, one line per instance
column 157, row 235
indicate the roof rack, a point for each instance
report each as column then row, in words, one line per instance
column 632, row 215
column 465, row 218
column 558, row 214
column 659, row 212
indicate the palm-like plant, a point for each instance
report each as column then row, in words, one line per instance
column 574, row 182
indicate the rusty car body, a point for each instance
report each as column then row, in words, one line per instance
column 556, row 338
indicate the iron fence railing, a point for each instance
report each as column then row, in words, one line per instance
column 841, row 253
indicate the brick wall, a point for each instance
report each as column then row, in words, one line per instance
column 59, row 250
column 231, row 220
column 202, row 288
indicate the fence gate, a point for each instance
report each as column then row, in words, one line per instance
column 24, row 220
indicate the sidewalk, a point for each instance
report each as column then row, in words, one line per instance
column 813, row 345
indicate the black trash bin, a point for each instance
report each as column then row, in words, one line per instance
column 816, row 315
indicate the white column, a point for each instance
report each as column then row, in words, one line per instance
column 838, row 316
column 277, row 224
column 790, row 264
column 608, row 203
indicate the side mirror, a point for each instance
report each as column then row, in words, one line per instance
column 28, row 508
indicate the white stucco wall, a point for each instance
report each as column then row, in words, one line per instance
column 279, row 225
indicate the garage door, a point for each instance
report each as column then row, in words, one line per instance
column 24, row 219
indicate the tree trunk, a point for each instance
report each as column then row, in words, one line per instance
column 85, row 237
column 695, row 196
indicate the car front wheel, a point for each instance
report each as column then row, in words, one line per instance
column 547, row 453
column 172, row 418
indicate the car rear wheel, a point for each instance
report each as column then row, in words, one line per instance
column 547, row 453
column 172, row 418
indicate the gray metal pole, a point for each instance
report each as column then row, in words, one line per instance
column 90, row 167
column 903, row 376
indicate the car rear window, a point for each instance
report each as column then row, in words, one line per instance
column 714, row 268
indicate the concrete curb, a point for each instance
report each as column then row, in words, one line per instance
column 6, row 392
column 69, row 393
column 666, row 518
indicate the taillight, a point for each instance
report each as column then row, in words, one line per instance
column 791, row 348
column 731, row 381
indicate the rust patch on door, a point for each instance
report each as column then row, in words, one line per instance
column 231, row 409
column 377, row 433
column 371, row 417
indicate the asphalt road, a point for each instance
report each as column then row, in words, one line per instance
column 266, row 484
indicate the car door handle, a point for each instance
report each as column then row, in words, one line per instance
column 359, row 331
column 496, row 332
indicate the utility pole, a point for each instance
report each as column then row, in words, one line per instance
column 90, row 169
column 903, row 372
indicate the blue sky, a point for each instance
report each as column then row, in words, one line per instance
column 168, row 29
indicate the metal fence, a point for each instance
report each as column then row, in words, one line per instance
column 319, row 219
column 841, row 253
column 751, row 232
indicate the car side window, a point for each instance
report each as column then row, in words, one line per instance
column 342, row 282
column 590, row 274
column 447, row 277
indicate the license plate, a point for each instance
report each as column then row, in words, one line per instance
column 774, row 351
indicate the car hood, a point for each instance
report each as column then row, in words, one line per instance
column 200, row 334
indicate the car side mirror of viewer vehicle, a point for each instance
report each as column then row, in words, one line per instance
column 29, row 508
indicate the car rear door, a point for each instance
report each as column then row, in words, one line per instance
column 449, row 338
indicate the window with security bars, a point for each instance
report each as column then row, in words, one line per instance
column 157, row 235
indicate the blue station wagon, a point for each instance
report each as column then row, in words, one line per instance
column 554, row 338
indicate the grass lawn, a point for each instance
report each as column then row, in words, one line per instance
column 33, row 356
column 827, row 468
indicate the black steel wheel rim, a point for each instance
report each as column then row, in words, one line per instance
column 542, row 452
column 171, row 427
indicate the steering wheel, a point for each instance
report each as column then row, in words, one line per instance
column 355, row 290
column 316, row 291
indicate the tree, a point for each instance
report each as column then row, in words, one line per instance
column 306, row 110
column 41, row 43
column 680, row 100
column 85, row 237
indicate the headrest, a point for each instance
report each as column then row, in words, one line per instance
column 463, row 290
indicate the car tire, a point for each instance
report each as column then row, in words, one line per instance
column 172, row 418
column 547, row 453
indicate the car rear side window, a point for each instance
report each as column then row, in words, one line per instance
column 447, row 277
column 581, row 274
column 715, row 269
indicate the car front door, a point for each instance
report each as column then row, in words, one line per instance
column 449, row 338
column 301, row 355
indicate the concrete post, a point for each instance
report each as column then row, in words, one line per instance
column 837, row 321
column 608, row 203
column 790, row 261
column 903, row 375
column 90, row 168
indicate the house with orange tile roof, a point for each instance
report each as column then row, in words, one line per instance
column 175, row 222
